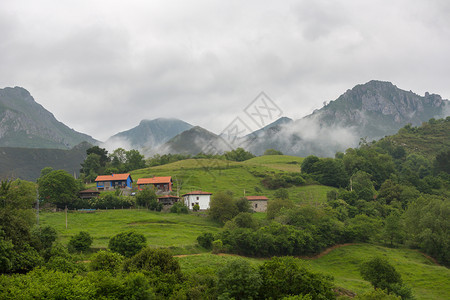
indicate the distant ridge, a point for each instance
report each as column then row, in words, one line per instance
column 150, row 133
column 193, row 141
column 25, row 123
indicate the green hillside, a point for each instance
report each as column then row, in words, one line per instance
column 428, row 139
column 213, row 175
column 427, row 280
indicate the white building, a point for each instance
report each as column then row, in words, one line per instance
column 197, row 197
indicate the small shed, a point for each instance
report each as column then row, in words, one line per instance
column 258, row 203
column 168, row 199
column 88, row 194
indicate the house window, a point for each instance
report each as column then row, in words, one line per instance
column 256, row 205
column 197, row 198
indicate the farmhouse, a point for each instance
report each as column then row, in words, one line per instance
column 197, row 197
column 161, row 184
column 114, row 181
column 168, row 199
column 258, row 203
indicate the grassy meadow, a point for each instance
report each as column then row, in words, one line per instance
column 168, row 230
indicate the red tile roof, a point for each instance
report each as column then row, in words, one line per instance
column 198, row 193
column 154, row 180
column 112, row 177
column 255, row 198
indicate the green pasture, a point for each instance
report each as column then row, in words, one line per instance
column 178, row 232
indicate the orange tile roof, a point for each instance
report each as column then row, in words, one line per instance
column 167, row 196
column 154, row 180
column 255, row 198
column 198, row 193
column 112, row 177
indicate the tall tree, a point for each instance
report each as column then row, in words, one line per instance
column 59, row 188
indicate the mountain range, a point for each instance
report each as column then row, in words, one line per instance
column 25, row 123
column 370, row 111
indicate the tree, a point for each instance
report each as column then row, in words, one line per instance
column 238, row 279
column 222, row 208
column 146, row 198
column 362, row 185
column 127, row 243
column 308, row 164
column 59, row 188
column 134, row 160
column 238, row 154
column 80, row 242
column 91, row 167
column 243, row 205
column 102, row 152
column 106, row 261
column 382, row 275
column 274, row 206
column 157, row 261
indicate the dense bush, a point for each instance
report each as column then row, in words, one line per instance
column 179, row 208
column 284, row 276
column 238, row 279
column 106, row 261
column 205, row 240
column 127, row 243
column 80, row 242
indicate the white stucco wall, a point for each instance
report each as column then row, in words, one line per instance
column 202, row 200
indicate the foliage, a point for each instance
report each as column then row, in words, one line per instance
column 107, row 200
column 135, row 160
column 59, row 188
column 222, row 207
column 238, row 154
column 80, row 242
column 127, row 243
column 106, row 261
column 238, row 280
column 274, row 206
column 272, row 152
column 381, row 274
column 205, row 240
column 427, row 223
column 43, row 237
column 158, row 160
column 157, row 261
column 147, row 198
column 179, row 208
column 284, row 276
column 285, row 180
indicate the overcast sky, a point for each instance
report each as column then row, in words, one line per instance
column 102, row 66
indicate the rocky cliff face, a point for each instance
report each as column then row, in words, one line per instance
column 25, row 123
column 379, row 108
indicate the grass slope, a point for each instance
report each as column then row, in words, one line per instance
column 428, row 281
column 178, row 232
column 213, row 175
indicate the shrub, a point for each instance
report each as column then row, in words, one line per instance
column 127, row 243
column 156, row 261
column 205, row 240
column 80, row 242
column 106, row 261
column 179, row 207
column 284, row 276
